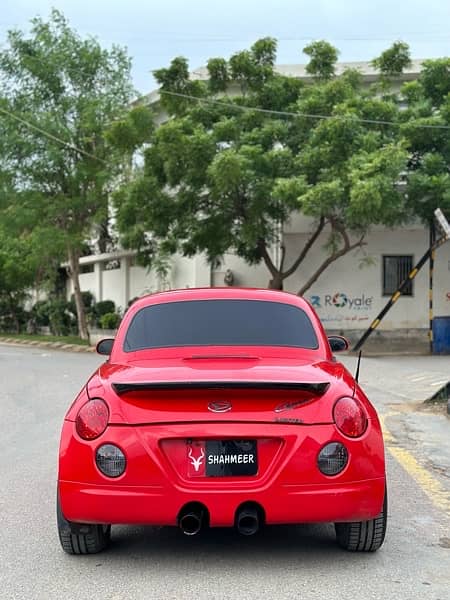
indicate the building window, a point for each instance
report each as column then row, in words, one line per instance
column 86, row 269
column 395, row 270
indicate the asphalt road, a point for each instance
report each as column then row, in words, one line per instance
column 283, row 562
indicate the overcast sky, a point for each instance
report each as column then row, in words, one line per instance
column 155, row 32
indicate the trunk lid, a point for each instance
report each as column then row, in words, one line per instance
column 225, row 389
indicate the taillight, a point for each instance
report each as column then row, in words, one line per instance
column 92, row 419
column 350, row 417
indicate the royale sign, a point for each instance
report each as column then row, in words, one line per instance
column 342, row 300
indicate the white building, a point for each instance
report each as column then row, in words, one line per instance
column 347, row 296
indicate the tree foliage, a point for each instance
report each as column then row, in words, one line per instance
column 58, row 94
column 425, row 128
column 322, row 59
column 16, row 276
column 226, row 174
column 393, row 61
column 28, row 254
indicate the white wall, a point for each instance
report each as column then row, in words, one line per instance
column 348, row 295
column 114, row 284
column 243, row 274
column 142, row 281
column 130, row 280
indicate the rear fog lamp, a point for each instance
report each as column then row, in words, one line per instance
column 110, row 460
column 332, row 458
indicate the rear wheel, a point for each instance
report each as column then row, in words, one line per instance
column 363, row 536
column 78, row 538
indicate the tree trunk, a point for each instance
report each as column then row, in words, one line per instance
column 328, row 261
column 276, row 283
column 104, row 238
column 74, row 272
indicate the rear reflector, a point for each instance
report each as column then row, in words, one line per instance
column 332, row 458
column 110, row 460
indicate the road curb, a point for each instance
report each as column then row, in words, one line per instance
column 49, row 345
column 381, row 354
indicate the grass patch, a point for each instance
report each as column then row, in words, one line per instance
column 64, row 339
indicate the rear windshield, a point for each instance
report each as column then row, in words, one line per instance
column 220, row 323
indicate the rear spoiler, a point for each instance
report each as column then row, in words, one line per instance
column 124, row 388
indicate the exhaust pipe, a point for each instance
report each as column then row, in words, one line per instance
column 191, row 522
column 247, row 521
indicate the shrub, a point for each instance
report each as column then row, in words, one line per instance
column 99, row 309
column 88, row 302
column 56, row 314
column 109, row 320
column 103, row 307
column 13, row 317
column 40, row 312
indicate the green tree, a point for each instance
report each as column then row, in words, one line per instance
column 322, row 59
column 425, row 128
column 226, row 174
column 28, row 253
column 58, row 94
column 16, row 277
column 393, row 61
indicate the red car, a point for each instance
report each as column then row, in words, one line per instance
column 221, row 408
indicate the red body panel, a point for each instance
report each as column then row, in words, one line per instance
column 156, row 428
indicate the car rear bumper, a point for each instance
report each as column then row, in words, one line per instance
column 154, row 505
column 157, row 484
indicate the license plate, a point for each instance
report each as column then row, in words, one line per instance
column 222, row 458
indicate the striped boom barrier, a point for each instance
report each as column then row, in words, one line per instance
column 430, row 285
column 396, row 295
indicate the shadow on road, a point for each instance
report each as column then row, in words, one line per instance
column 281, row 544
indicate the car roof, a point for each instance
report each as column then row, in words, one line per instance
column 219, row 293
column 222, row 293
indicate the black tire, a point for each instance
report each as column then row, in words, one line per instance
column 77, row 538
column 363, row 536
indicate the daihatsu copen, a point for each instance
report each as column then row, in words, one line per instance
column 221, row 408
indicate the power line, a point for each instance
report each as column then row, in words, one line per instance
column 201, row 37
column 245, row 38
column 226, row 105
column 281, row 113
column 50, row 135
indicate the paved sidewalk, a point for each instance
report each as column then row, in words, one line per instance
column 52, row 345
column 416, row 433
column 414, row 378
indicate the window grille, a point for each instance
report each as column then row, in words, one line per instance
column 395, row 270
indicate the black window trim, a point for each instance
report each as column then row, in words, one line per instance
column 313, row 327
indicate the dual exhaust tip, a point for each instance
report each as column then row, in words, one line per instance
column 191, row 522
column 248, row 520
